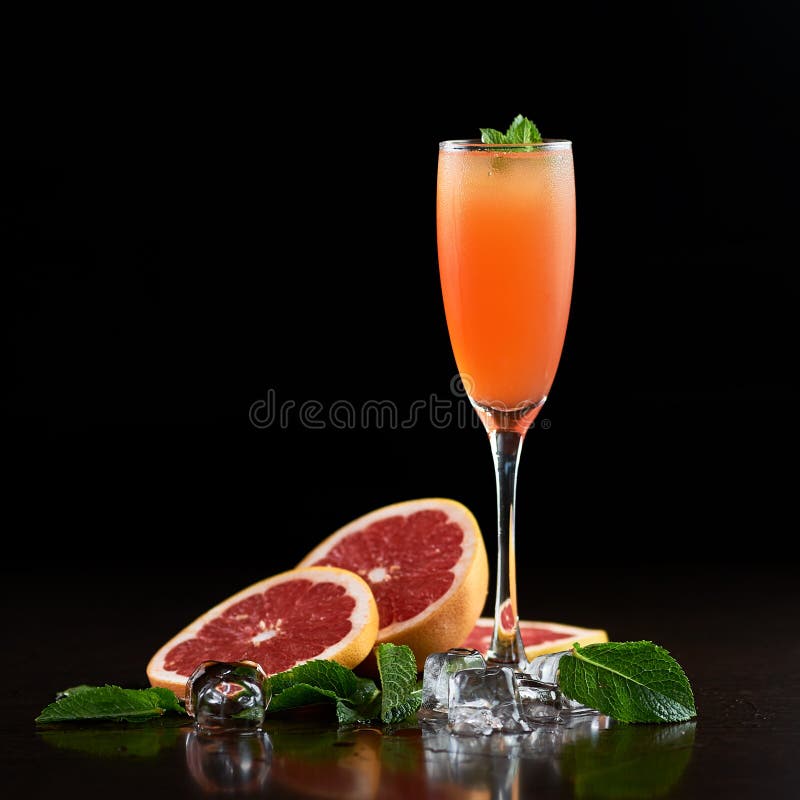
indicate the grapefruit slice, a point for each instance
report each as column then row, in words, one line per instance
column 426, row 564
column 282, row 621
column 538, row 637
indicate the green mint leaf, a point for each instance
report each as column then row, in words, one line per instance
column 401, row 695
column 167, row 699
column 109, row 703
column 300, row 694
column 522, row 131
column 366, row 692
column 629, row 681
column 347, row 715
column 327, row 675
column 73, row 690
column 370, row 711
column 321, row 681
column 492, row 136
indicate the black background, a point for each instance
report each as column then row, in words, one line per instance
column 191, row 218
column 195, row 212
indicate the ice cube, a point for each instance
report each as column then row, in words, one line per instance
column 439, row 668
column 485, row 700
column 541, row 702
column 228, row 697
column 544, row 669
column 570, row 707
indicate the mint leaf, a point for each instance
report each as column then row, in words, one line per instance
column 347, row 715
column 74, row 690
column 109, row 703
column 367, row 712
column 366, row 692
column 402, row 696
column 167, row 699
column 325, row 675
column 492, row 136
column 301, row 694
column 630, row 681
column 522, row 131
column 321, row 681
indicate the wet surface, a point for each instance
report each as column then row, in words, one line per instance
column 311, row 758
column 743, row 745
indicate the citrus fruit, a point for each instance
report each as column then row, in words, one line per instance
column 426, row 564
column 538, row 637
column 314, row 612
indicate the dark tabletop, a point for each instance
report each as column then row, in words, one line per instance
column 732, row 629
column 146, row 214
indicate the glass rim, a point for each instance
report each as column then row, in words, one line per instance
column 477, row 145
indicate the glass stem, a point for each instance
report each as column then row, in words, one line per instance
column 506, row 646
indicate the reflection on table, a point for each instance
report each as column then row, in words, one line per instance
column 591, row 756
column 232, row 763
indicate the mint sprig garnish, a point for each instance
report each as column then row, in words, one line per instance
column 520, row 131
column 356, row 699
column 629, row 681
column 320, row 681
column 110, row 703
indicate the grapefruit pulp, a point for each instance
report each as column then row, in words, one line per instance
column 282, row 621
column 425, row 562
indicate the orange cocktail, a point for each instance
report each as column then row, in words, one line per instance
column 506, row 235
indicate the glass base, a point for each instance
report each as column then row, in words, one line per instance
column 507, row 648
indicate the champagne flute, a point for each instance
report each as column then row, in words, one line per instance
column 506, row 243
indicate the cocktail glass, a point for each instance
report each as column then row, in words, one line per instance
column 506, row 244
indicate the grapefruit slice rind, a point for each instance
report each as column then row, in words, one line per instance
column 426, row 564
column 539, row 638
column 279, row 622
